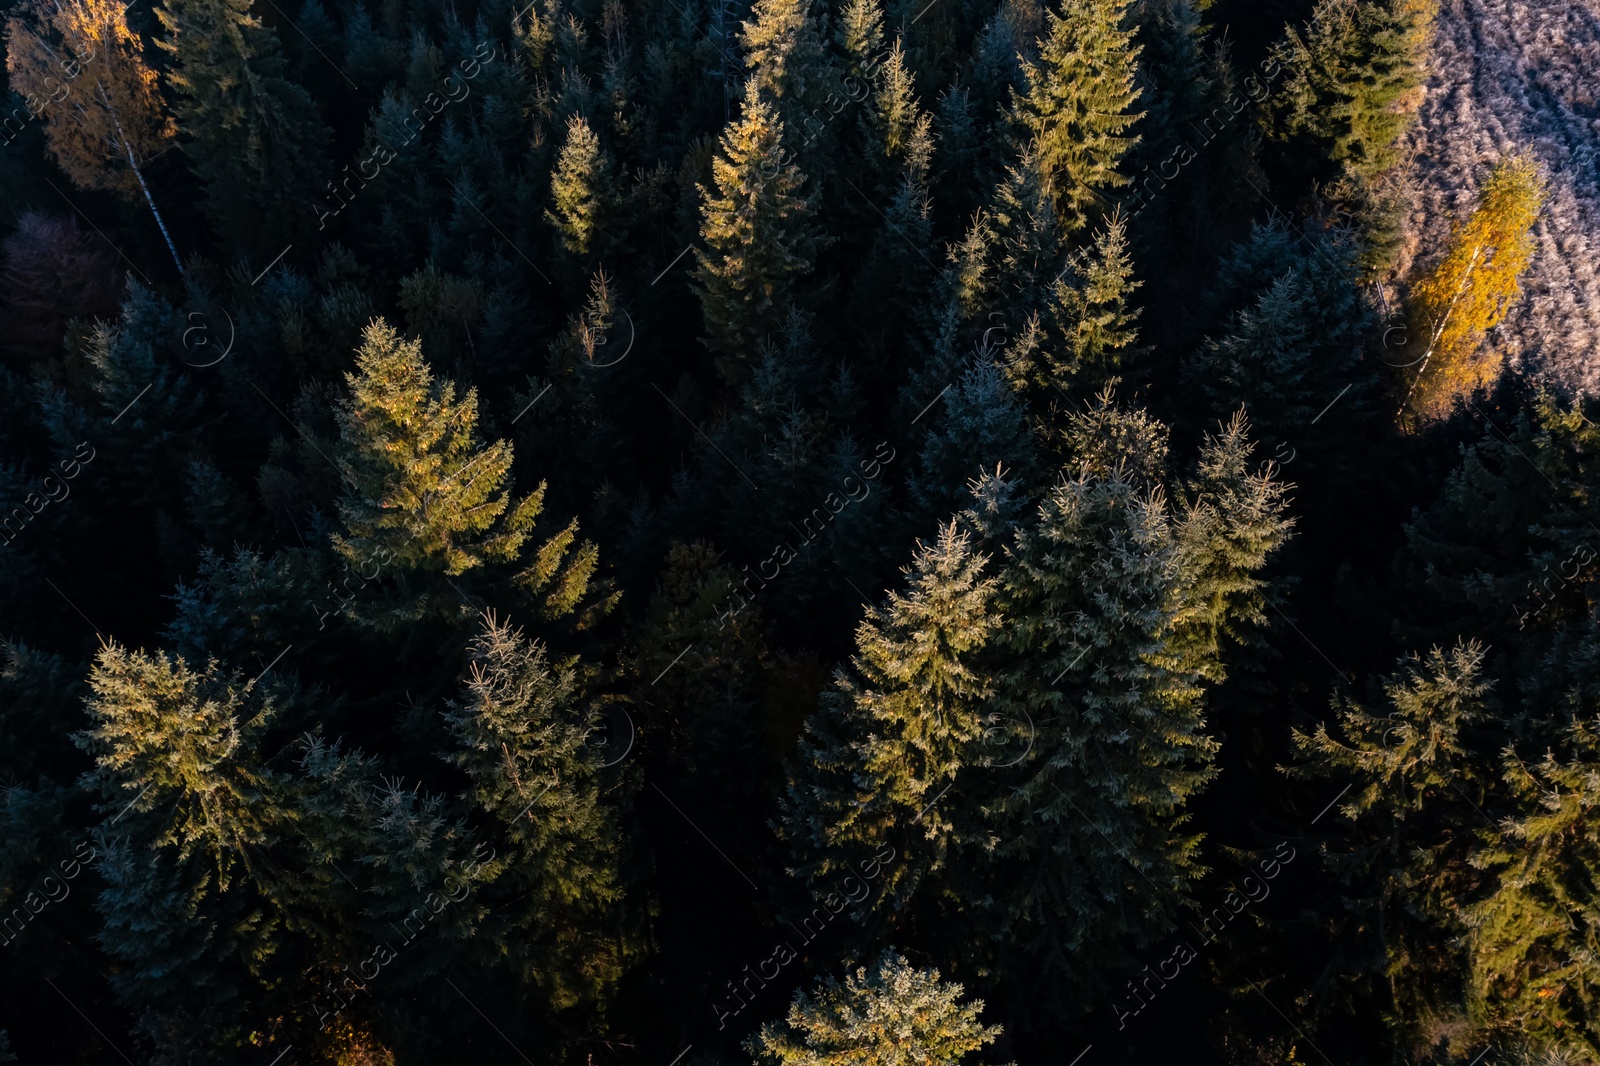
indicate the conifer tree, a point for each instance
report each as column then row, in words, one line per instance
column 704, row 722
column 580, row 190
column 1114, row 710
column 1172, row 36
column 123, row 362
column 784, row 54
column 984, row 425
column 1472, row 287
column 1270, row 356
column 1352, row 81
column 1011, row 257
column 1231, row 521
column 1107, row 440
column 1502, row 553
column 753, row 225
column 111, row 119
column 426, row 500
column 255, row 137
column 889, row 1014
column 860, row 34
column 898, row 114
column 54, row 270
column 189, row 817
column 522, row 734
column 1093, row 323
column 1418, row 785
column 1535, row 956
column 1295, row 340
column 1078, row 106
column 896, row 730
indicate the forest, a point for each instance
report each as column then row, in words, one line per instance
column 800, row 533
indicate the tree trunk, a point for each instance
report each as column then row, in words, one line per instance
column 139, row 176
column 1439, row 332
column 159, row 222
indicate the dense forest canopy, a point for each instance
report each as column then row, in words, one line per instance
column 798, row 532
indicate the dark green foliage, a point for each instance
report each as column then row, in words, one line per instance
column 976, row 419
column 1352, row 78
column 255, row 137
column 1077, row 108
column 521, row 734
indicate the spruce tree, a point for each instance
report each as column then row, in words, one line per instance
column 521, row 731
column 1535, row 956
column 753, row 226
column 785, row 56
column 1009, row 261
column 984, row 425
column 580, row 191
column 1093, row 320
column 1232, row 519
column 1420, row 782
column 1295, row 341
column 1077, row 109
column 190, row 815
column 1107, row 439
column 1091, row 838
column 1352, row 81
column 859, row 34
column 254, row 136
column 897, row 729
column 897, row 114
column 426, row 501
column 888, row 1014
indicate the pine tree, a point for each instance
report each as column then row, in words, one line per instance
column 896, row 730
column 111, row 118
column 1232, row 520
column 754, row 230
column 890, row 1014
column 522, row 733
column 255, row 137
column 1352, row 81
column 784, row 54
column 1078, row 106
column 580, row 191
column 190, row 815
column 984, row 425
column 1417, row 771
column 425, row 500
column 1535, row 957
column 1472, row 287
column 860, row 34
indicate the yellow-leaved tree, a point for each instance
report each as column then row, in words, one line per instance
column 1472, row 288
column 83, row 54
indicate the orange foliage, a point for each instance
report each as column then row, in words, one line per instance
column 1472, row 288
column 108, row 116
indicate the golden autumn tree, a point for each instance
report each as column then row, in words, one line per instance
column 1472, row 288
column 110, row 119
